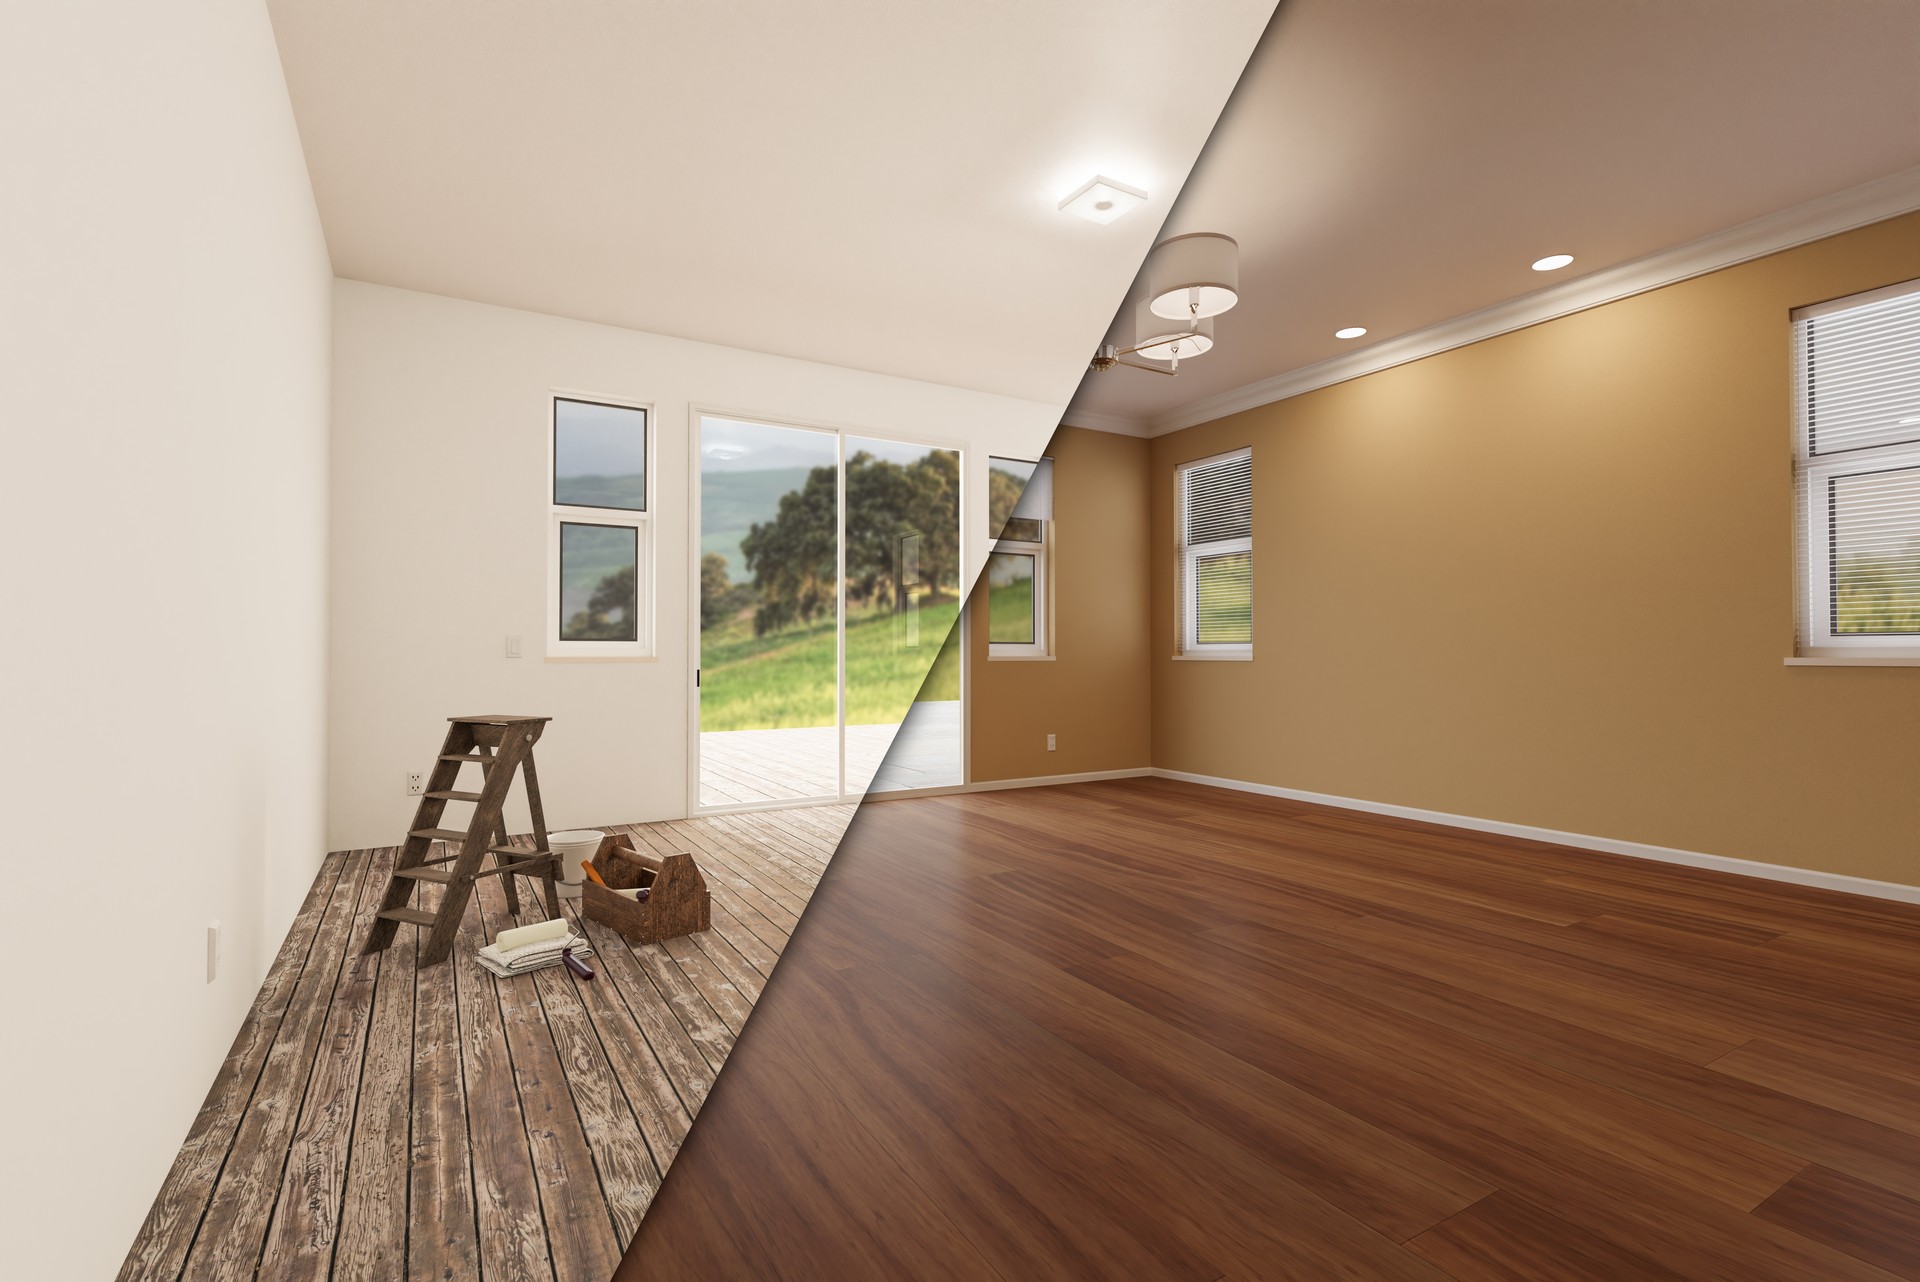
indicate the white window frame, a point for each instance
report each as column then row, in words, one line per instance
column 641, row 523
column 1814, row 474
column 1041, row 647
column 1041, row 552
column 1189, row 554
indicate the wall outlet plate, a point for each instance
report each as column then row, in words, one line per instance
column 416, row 783
column 1049, row 743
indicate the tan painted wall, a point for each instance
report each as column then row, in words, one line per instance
column 1093, row 694
column 1548, row 579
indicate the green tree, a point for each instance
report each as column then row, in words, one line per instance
column 720, row 597
column 891, row 507
column 609, row 612
column 793, row 557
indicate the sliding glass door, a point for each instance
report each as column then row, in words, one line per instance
column 829, row 581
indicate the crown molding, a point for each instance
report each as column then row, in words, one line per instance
column 1105, row 421
column 1843, row 211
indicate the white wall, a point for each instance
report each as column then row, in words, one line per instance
column 440, row 537
column 164, row 298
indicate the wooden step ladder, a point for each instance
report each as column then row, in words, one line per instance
column 502, row 747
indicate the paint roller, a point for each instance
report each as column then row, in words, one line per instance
column 539, row 932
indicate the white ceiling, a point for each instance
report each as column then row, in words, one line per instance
column 1396, row 163
column 868, row 183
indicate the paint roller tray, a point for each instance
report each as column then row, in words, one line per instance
column 677, row 902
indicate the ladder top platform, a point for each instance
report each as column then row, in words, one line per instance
column 494, row 720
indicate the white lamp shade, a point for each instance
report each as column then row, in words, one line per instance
column 1193, row 276
column 1159, row 339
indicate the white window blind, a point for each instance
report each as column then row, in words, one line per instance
column 1215, row 565
column 1858, row 473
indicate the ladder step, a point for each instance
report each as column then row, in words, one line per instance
column 520, row 852
column 466, row 756
column 454, row 794
column 520, row 867
column 425, row 874
column 418, row 916
column 438, row 834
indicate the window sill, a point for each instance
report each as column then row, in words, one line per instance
column 603, row 658
column 1019, row 658
column 1853, row 661
column 1213, row 658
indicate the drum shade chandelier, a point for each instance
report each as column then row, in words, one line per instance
column 1190, row 280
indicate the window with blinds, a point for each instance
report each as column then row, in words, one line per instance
column 1858, row 474
column 1215, row 565
column 1020, row 518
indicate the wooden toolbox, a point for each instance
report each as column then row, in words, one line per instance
column 677, row 900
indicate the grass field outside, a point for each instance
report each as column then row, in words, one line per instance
column 787, row 679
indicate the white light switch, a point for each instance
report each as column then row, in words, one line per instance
column 213, row 950
column 513, row 645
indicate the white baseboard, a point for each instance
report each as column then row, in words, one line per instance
column 1608, row 845
column 1048, row 781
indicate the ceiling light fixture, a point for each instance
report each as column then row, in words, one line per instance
column 1193, row 276
column 1102, row 199
column 1351, row 331
column 1552, row 262
column 1190, row 280
column 1159, row 339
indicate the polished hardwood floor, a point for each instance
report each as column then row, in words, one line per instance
column 1149, row 1031
column 375, row 1122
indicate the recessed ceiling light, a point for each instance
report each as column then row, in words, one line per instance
column 1103, row 199
column 1552, row 262
column 1351, row 331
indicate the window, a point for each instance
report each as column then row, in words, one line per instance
column 1215, row 568
column 1020, row 522
column 1858, row 474
column 598, row 606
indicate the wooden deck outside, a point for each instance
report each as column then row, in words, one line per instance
column 374, row 1121
column 750, row 766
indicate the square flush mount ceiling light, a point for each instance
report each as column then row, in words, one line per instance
column 1103, row 199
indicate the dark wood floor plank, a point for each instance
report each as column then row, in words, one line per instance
column 236, row 1222
column 160, row 1249
column 1506, row 1239
column 774, row 1217
column 1383, row 1181
column 1851, row 1215
column 1836, row 1080
column 1785, row 1121
column 1508, row 1035
column 1044, row 1171
column 306, row 1216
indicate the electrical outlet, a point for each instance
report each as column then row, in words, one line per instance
column 213, row 950
column 513, row 645
column 1049, row 743
column 416, row 783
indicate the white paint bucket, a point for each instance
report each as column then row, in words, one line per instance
column 572, row 847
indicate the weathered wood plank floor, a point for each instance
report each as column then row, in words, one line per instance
column 377, row 1122
column 1148, row 1030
